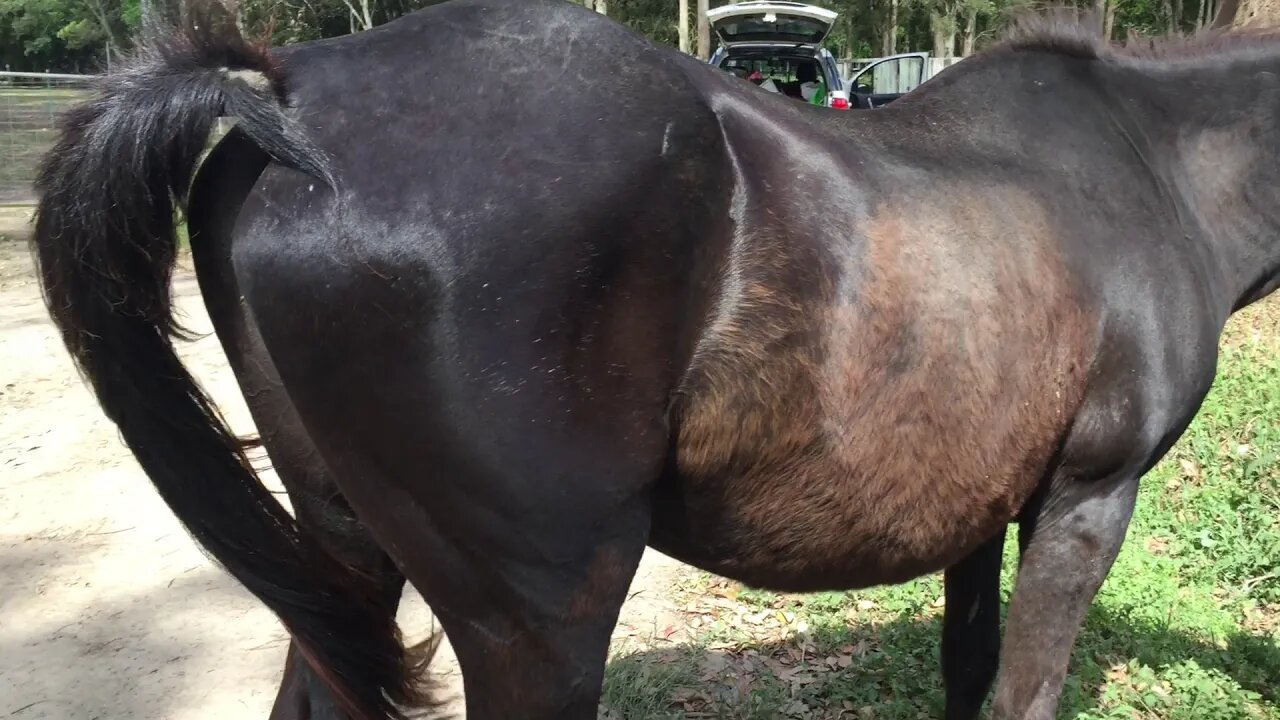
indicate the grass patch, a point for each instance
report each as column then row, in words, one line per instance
column 1187, row 626
column 37, row 95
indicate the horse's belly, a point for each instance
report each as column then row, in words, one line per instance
column 806, row 532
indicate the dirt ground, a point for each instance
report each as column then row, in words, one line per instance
column 107, row 608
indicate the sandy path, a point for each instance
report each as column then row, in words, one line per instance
column 107, row 609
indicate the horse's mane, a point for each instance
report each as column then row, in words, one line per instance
column 1075, row 34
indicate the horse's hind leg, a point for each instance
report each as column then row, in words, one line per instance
column 312, row 488
column 971, row 629
column 1069, row 540
column 218, row 191
column 320, row 510
column 528, row 598
column 537, row 650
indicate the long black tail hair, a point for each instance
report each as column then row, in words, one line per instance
column 105, row 245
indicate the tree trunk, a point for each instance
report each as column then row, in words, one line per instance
column 1176, row 25
column 1238, row 13
column 942, row 23
column 889, row 44
column 1109, row 24
column 682, row 23
column 704, row 31
column 970, row 30
column 1226, row 13
column 361, row 17
column 103, row 18
column 1100, row 9
column 850, row 30
column 602, row 7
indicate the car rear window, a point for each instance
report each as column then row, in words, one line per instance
column 787, row 28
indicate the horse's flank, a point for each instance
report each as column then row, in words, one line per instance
column 884, row 394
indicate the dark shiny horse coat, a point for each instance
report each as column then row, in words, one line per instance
column 499, row 335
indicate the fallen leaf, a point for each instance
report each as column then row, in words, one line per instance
column 1189, row 468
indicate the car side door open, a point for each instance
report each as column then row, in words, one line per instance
column 887, row 79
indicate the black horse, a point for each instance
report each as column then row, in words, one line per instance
column 503, row 318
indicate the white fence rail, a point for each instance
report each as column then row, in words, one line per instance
column 30, row 104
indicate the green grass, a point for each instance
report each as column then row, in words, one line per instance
column 1187, row 626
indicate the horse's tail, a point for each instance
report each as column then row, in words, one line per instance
column 105, row 245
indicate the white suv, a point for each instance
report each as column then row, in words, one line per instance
column 781, row 42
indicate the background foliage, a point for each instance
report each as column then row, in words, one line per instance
column 84, row 35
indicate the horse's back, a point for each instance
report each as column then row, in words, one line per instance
column 493, row 101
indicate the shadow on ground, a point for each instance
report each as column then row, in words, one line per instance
column 890, row 671
column 149, row 653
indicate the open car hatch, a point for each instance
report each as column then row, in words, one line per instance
column 752, row 23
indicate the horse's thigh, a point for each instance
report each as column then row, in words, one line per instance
column 536, row 650
column 527, row 587
column 322, row 511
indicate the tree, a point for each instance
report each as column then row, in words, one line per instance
column 60, row 34
column 942, row 23
column 1241, row 13
column 973, row 9
column 682, row 20
column 81, row 35
column 361, row 14
column 1206, row 14
column 889, row 42
column 704, row 31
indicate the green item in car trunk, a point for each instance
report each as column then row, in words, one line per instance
column 819, row 95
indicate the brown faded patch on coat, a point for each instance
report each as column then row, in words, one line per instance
column 881, row 421
column 1218, row 164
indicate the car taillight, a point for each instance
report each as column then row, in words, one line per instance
column 840, row 103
